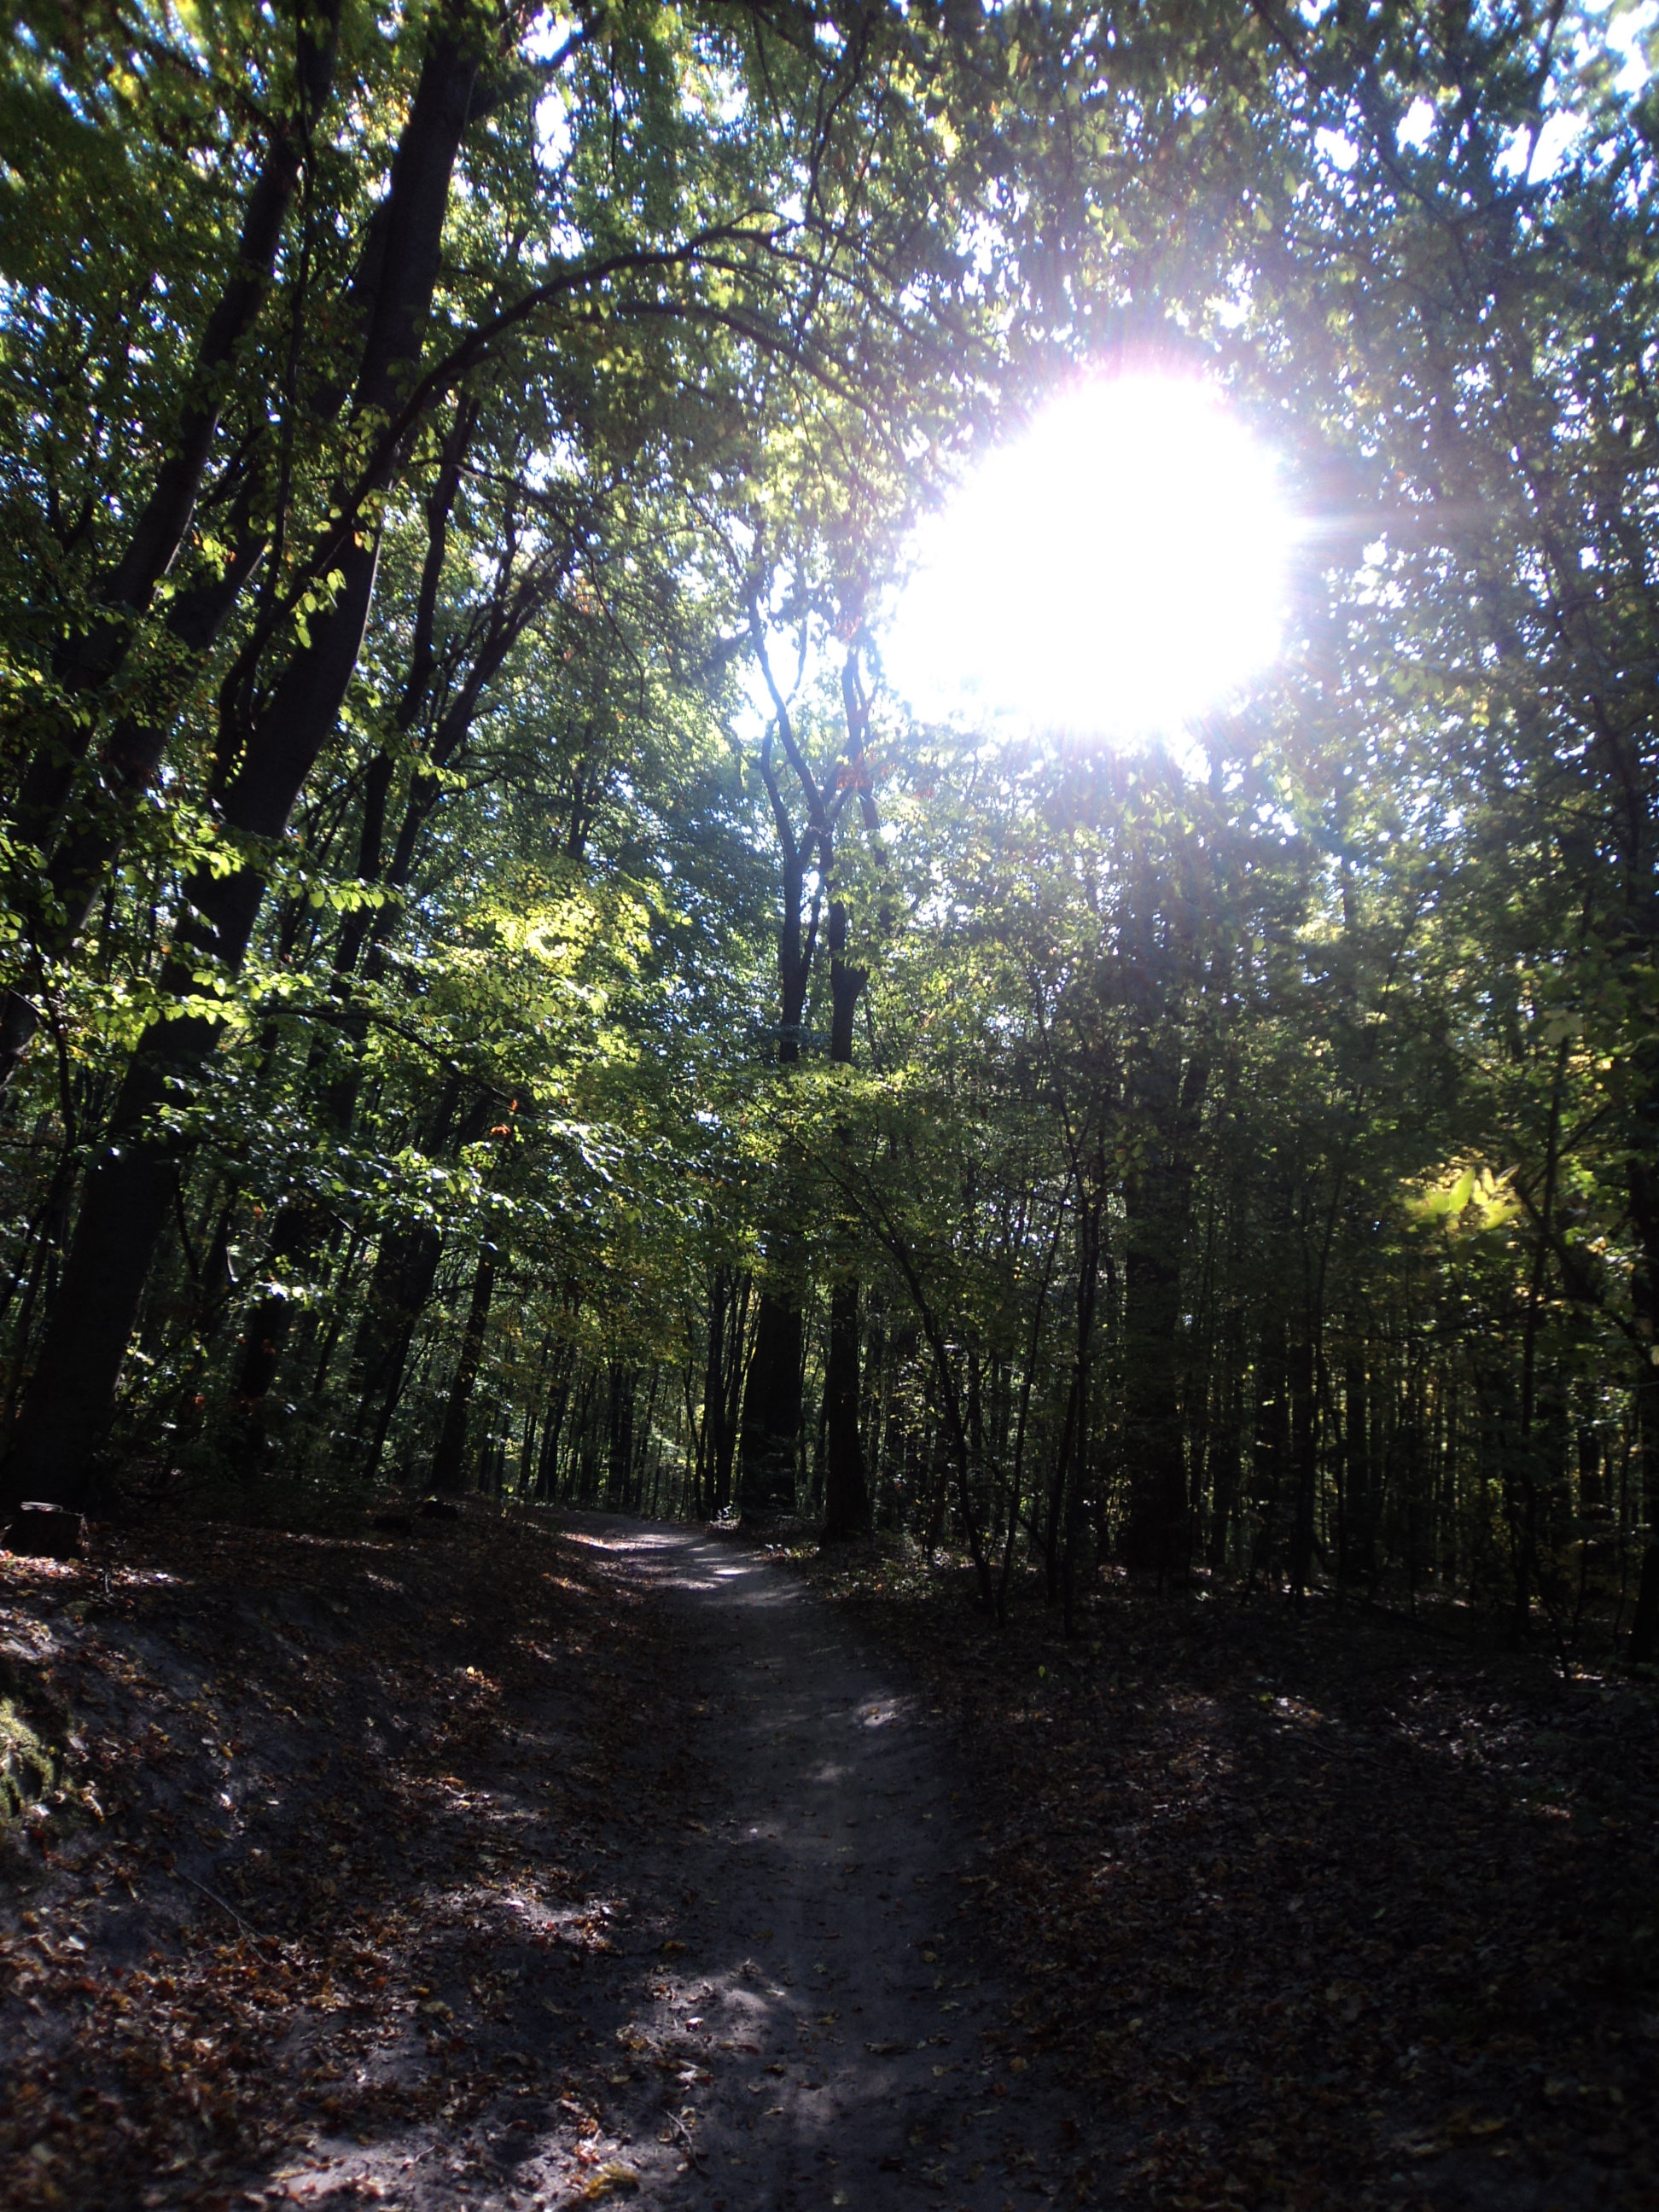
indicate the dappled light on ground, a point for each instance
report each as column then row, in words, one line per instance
column 492, row 1867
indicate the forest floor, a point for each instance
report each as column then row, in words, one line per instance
column 1347, row 1909
column 496, row 1866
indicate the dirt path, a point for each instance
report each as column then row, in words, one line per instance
column 481, row 1866
column 478, row 1870
column 840, row 2026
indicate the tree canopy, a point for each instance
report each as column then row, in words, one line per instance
column 501, row 992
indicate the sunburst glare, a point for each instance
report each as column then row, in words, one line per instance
column 1116, row 572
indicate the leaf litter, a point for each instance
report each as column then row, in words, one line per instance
column 1351, row 1910
column 321, row 1887
column 335, row 1855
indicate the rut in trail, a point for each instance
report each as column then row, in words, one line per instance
column 829, row 1984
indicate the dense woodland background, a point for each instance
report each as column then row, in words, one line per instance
column 454, row 1036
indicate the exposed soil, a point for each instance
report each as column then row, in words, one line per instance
column 490, row 1867
column 493, row 1866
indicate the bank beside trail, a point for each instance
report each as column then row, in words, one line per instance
column 1348, row 1907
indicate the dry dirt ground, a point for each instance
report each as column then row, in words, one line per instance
column 490, row 1866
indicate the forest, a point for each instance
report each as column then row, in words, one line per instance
column 594, row 1182
column 454, row 1038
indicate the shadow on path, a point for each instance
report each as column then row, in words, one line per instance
column 845, row 2026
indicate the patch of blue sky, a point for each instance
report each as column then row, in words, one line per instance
column 548, row 34
column 1617, row 32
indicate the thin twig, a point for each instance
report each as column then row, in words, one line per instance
column 691, row 2151
column 214, row 1898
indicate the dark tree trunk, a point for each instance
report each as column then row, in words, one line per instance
column 736, row 1340
column 1271, row 1445
column 1304, row 1446
column 713, row 1396
column 619, row 1428
column 449, row 1459
column 87, row 661
column 558, row 1400
column 406, row 1268
column 298, row 1232
column 79, row 866
column 1157, row 1206
column 847, row 1489
column 1358, row 1511
column 302, row 1223
column 1644, row 1183
column 772, row 1392
column 1644, row 1629
column 771, row 1410
column 1092, row 1214
column 1226, row 1462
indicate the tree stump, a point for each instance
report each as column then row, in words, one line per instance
column 44, row 1531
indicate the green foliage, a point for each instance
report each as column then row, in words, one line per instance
column 1251, row 1169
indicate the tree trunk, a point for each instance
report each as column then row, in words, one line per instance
column 1157, row 1202
column 846, row 1490
column 1357, row 1547
column 1643, row 1182
column 406, row 1268
column 771, row 1410
column 619, row 1459
column 713, row 1394
column 1270, row 1451
column 1305, row 1442
column 79, row 866
column 87, row 661
column 1226, row 1460
column 298, row 1231
column 449, row 1460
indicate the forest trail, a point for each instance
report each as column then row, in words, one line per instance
column 495, row 1866
column 481, row 1870
column 825, row 1973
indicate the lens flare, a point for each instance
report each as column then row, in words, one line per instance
column 1116, row 572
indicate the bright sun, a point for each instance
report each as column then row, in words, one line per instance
column 1115, row 573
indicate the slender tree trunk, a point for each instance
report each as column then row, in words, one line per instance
column 87, row 661
column 847, row 1489
column 1643, row 1178
column 406, row 1268
column 449, row 1459
column 294, row 1241
column 772, row 1394
column 620, row 1383
column 736, row 1340
column 713, row 1396
column 1304, row 1442
column 1074, row 1458
column 1355, row 1534
column 78, row 872
column 1226, row 1467
column 1157, row 1206
column 1271, row 1443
